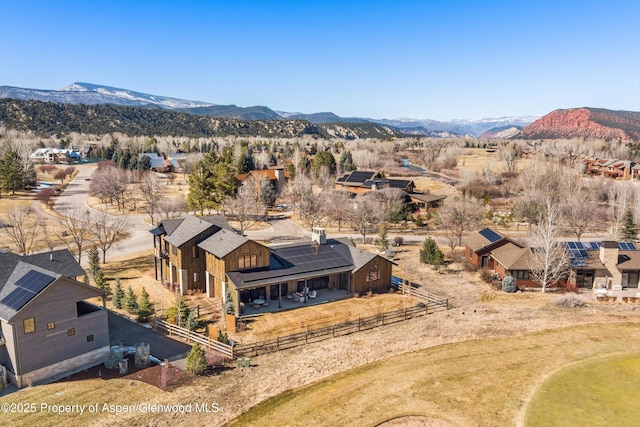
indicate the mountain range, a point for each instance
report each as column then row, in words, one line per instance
column 92, row 94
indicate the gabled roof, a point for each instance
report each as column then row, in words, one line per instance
column 222, row 243
column 191, row 226
column 24, row 282
column 300, row 261
column 61, row 262
column 428, row 198
column 513, row 257
column 480, row 239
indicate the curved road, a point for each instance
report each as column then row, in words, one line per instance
column 73, row 201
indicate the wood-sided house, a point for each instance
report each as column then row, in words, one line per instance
column 278, row 177
column 246, row 270
column 362, row 181
column 48, row 328
column 177, row 257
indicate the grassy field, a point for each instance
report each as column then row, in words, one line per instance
column 473, row 383
column 594, row 393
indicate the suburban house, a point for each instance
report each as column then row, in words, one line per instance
column 362, row 181
column 177, row 257
column 611, row 168
column 278, row 177
column 610, row 264
column 230, row 264
column 56, row 155
column 48, row 328
column 157, row 161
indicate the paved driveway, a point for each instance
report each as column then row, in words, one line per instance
column 122, row 330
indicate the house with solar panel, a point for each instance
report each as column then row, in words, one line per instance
column 609, row 264
column 50, row 325
column 255, row 276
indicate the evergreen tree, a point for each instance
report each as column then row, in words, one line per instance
column 245, row 162
column 346, row 162
column 196, row 360
column 145, row 309
column 629, row 230
column 94, row 262
column 191, row 323
column 131, row 301
column 322, row 159
column 101, row 281
column 383, row 240
column 430, row 253
column 179, row 312
column 267, row 196
column 118, row 295
column 229, row 305
column 12, row 177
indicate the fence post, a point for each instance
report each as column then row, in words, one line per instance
column 405, row 314
column 383, row 319
column 358, row 323
column 278, row 342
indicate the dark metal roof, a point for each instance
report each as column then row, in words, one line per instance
column 191, row 226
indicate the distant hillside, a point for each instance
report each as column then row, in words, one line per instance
column 586, row 123
column 48, row 118
column 234, row 112
column 501, row 132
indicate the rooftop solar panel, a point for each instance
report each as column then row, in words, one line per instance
column 627, row 246
column 34, row 281
column 17, row 298
column 490, row 235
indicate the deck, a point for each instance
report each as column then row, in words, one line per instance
column 323, row 296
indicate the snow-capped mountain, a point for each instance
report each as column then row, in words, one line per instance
column 90, row 94
column 129, row 95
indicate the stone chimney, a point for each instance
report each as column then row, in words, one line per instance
column 280, row 180
column 318, row 235
column 609, row 257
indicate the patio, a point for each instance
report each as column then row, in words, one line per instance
column 322, row 296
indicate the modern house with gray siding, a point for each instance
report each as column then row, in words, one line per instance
column 48, row 328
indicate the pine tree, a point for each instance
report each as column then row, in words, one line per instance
column 196, row 360
column 179, row 312
column 629, row 229
column 383, row 240
column 191, row 323
column 430, row 253
column 346, row 162
column 94, row 262
column 118, row 295
column 131, row 301
column 145, row 309
column 101, row 281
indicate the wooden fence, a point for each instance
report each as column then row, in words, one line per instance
column 408, row 288
column 346, row 328
column 209, row 344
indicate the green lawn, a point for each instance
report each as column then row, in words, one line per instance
column 604, row 392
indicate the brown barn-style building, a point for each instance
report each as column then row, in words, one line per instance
column 204, row 254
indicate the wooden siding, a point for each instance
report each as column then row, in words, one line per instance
column 359, row 282
column 57, row 303
column 219, row 267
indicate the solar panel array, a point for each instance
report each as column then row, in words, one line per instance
column 26, row 288
column 627, row 246
column 490, row 235
column 578, row 252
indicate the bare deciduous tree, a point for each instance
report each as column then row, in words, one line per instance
column 548, row 263
column 172, row 207
column 509, row 153
column 107, row 229
column 365, row 213
column 458, row 216
column 76, row 230
column 341, row 203
column 151, row 190
column 578, row 204
column 245, row 208
column 23, row 229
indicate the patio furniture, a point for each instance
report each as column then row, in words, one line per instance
column 258, row 301
column 313, row 294
column 247, row 362
column 289, row 296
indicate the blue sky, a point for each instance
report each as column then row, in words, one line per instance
column 381, row 59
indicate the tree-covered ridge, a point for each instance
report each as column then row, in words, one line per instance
column 47, row 118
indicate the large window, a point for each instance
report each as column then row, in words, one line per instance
column 247, row 261
column 520, row 274
column 29, row 325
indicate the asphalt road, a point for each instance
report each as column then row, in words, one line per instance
column 125, row 332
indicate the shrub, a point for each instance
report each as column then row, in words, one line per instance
column 398, row 240
column 142, row 356
column 430, row 253
column 113, row 360
column 196, row 360
column 570, row 301
column 486, row 276
column 509, row 284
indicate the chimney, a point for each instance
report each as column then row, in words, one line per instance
column 318, row 235
column 609, row 257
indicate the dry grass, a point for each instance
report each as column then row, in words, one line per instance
column 272, row 325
